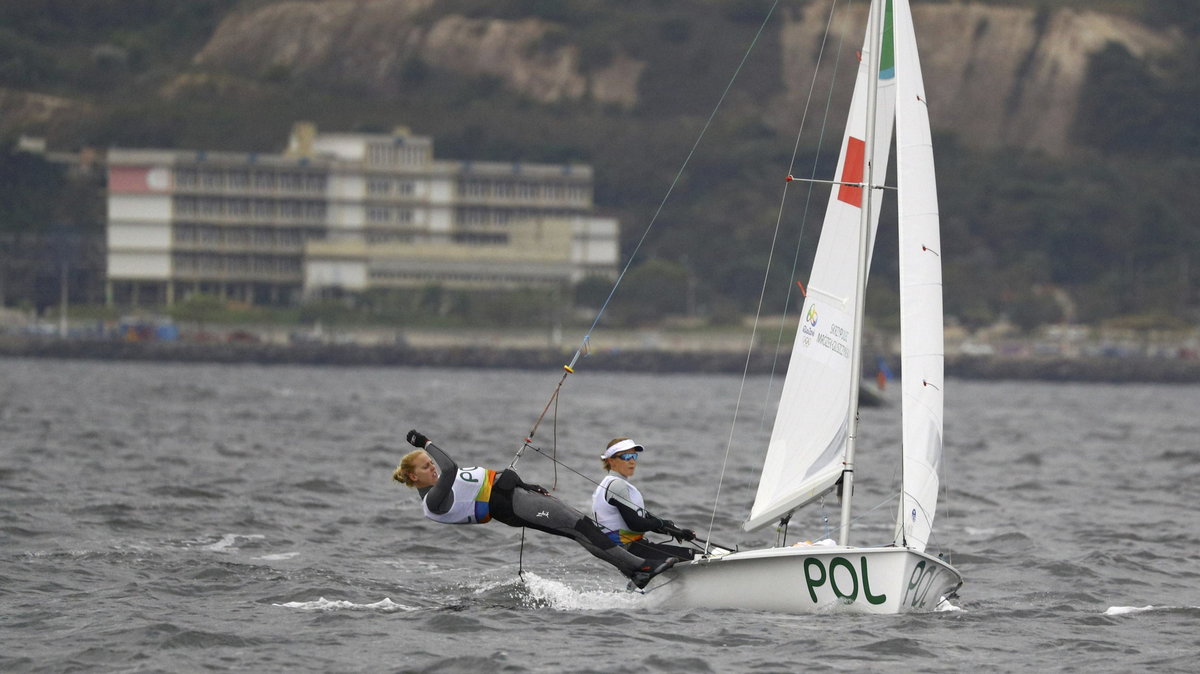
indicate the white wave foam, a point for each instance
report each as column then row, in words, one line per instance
column 229, row 542
column 323, row 604
column 282, row 555
column 945, row 605
column 562, row 597
column 1127, row 610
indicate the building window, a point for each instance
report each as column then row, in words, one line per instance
column 264, row 180
column 186, row 179
column 264, row 209
column 209, row 207
column 379, row 186
column 291, row 210
column 379, row 215
column 314, row 182
column 209, row 235
column 239, row 180
column 212, row 180
column 292, row 182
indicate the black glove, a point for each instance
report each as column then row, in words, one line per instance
column 417, row 440
column 536, row 487
column 677, row 533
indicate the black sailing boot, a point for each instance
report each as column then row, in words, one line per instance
column 642, row 576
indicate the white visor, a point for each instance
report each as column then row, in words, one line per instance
column 625, row 445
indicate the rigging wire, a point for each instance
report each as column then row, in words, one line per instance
column 554, row 459
column 771, row 253
column 812, row 183
column 583, row 346
column 582, row 350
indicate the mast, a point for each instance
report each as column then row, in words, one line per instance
column 875, row 23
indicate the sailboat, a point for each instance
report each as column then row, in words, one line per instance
column 811, row 451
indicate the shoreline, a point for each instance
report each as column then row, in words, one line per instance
column 987, row 368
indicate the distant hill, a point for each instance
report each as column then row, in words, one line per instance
column 1067, row 131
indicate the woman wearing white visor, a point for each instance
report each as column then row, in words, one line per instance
column 620, row 510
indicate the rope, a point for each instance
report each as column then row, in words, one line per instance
column 567, row 371
column 945, row 501
column 811, row 184
column 557, row 463
column 682, row 168
column 582, row 350
column 521, row 556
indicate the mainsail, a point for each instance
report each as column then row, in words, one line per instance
column 804, row 456
column 922, row 350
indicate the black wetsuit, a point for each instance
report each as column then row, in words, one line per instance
column 519, row 504
column 640, row 520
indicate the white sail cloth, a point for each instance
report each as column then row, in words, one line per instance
column 804, row 457
column 921, row 332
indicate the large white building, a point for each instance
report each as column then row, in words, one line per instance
column 345, row 211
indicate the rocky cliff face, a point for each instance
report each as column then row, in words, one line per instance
column 996, row 76
column 371, row 43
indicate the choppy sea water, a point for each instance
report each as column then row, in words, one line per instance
column 167, row 517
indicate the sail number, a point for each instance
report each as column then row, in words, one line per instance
column 847, row 581
column 919, row 584
column 817, row 575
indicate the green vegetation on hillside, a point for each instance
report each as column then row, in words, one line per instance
column 1108, row 230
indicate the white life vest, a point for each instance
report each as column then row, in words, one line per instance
column 472, row 489
column 607, row 515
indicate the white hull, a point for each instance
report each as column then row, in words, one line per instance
column 811, row 579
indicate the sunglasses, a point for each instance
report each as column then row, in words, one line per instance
column 627, row 456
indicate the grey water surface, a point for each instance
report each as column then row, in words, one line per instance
column 170, row 517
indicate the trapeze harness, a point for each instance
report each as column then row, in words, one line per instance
column 607, row 514
column 472, row 490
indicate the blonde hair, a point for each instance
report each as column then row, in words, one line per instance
column 403, row 472
column 607, row 463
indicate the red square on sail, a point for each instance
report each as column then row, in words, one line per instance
column 852, row 172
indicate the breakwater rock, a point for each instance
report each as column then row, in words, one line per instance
column 378, row 355
column 1096, row 369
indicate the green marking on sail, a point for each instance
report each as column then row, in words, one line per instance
column 887, row 56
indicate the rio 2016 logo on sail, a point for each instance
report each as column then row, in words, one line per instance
column 808, row 327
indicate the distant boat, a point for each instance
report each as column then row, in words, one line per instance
column 812, row 445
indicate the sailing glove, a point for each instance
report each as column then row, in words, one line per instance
column 417, row 439
column 668, row 527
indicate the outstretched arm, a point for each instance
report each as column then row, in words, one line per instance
column 440, row 496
